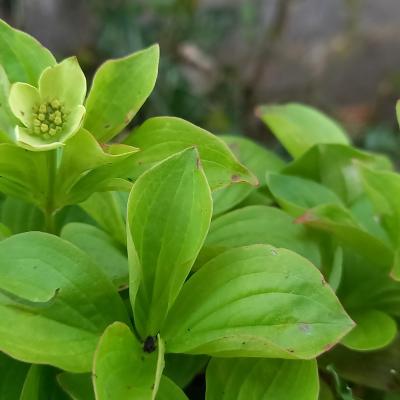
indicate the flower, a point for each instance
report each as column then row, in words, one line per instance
column 53, row 112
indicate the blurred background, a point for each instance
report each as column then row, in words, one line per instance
column 221, row 58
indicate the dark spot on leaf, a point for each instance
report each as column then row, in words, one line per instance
column 243, row 343
column 107, row 126
column 22, row 113
column 149, row 344
column 236, row 178
column 290, row 350
column 152, row 386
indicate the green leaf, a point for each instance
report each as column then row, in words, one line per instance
column 345, row 178
column 119, row 89
column 340, row 223
column 108, row 209
column 257, row 159
column 383, row 189
column 78, row 386
column 159, row 138
column 295, row 195
column 363, row 211
column 169, row 213
column 20, row 216
column 366, row 285
column 256, row 301
column 104, row 251
column 38, row 268
column 123, row 369
column 12, row 377
column 78, row 177
column 261, row 379
column 22, row 56
column 263, row 225
column 374, row 329
column 298, row 127
column 7, row 119
column 325, row 392
column 40, row 384
column 4, row 231
column 374, row 369
column 23, row 174
column 182, row 368
column 170, row 391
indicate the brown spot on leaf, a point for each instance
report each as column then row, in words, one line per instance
column 236, row 178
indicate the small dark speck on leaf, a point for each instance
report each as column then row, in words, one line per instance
column 290, row 350
column 198, row 163
column 22, row 113
column 149, row 344
column 107, row 126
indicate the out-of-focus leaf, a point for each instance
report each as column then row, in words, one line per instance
column 22, row 56
column 374, row 329
column 182, row 368
column 41, row 384
column 295, row 195
column 342, row 225
column 344, row 178
column 78, row 386
column 12, row 377
column 375, row 369
column 298, row 127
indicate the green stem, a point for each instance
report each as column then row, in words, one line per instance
column 49, row 210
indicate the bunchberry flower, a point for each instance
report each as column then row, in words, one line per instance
column 53, row 112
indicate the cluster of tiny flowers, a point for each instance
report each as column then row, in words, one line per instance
column 48, row 119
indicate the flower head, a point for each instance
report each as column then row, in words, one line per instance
column 53, row 112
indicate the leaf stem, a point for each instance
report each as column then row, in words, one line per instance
column 49, row 209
